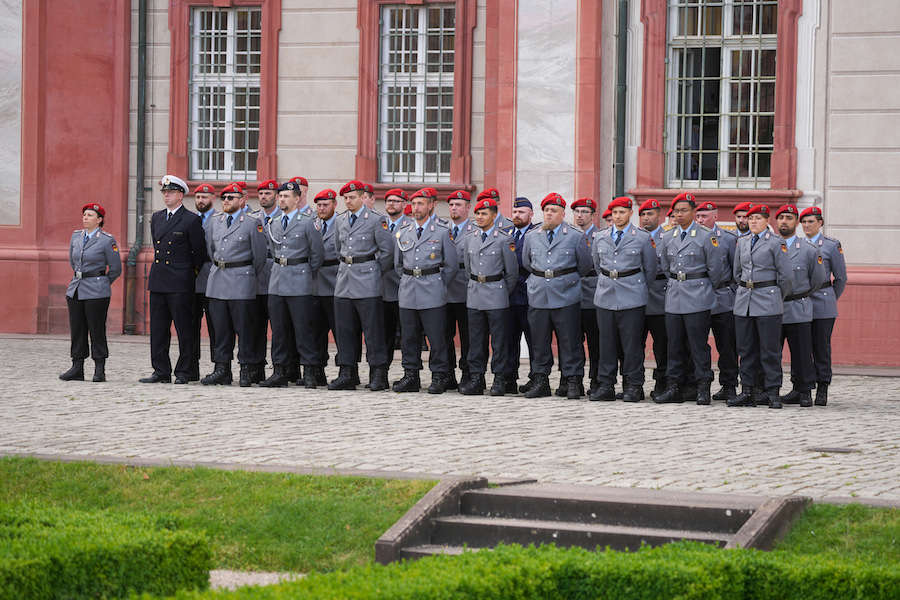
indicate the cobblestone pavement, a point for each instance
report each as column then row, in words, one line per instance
column 678, row 447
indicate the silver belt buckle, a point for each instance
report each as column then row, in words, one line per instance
column 348, row 260
column 750, row 284
column 548, row 273
column 482, row 279
column 77, row 274
column 682, row 276
column 417, row 272
column 282, row 261
column 220, row 264
column 613, row 274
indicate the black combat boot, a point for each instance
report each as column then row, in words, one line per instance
column 245, row 377
column 512, row 386
column 321, row 379
column 527, row 385
column 671, row 395
column 745, row 398
column 774, row 399
column 633, row 393
column 409, row 382
column 354, row 374
column 759, row 397
column 806, row 399
column 378, row 380
column 221, row 375
column 278, row 378
column 593, row 387
column 452, row 384
column 603, row 393
column 99, row 370
column 703, row 397
column 563, row 388
column 540, row 387
column 574, row 387
column 309, row 377
column 75, row 372
column 792, row 397
column 821, row 394
column 498, row 387
column 257, row 373
column 293, row 373
column 344, row 380
column 438, row 383
column 473, row 386
column 659, row 387
column 727, row 391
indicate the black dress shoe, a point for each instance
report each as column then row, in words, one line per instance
column 541, row 387
column 181, row 380
column 671, row 395
column 473, row 386
column 156, row 378
column 821, row 394
column 498, row 387
column 633, row 393
column 408, row 383
column 603, row 394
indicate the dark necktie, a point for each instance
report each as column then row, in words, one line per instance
column 455, row 231
column 483, row 237
column 754, row 240
column 352, row 220
column 284, row 221
column 550, row 237
column 518, row 236
column 683, row 233
column 268, row 218
column 618, row 237
column 419, row 233
column 86, row 238
column 168, row 215
column 392, row 227
column 324, row 227
column 229, row 221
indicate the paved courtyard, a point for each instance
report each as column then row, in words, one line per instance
column 851, row 448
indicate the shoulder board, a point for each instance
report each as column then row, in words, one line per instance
column 704, row 228
column 376, row 213
column 507, row 230
column 668, row 227
column 109, row 235
column 78, row 231
column 831, row 239
column 442, row 221
column 406, row 225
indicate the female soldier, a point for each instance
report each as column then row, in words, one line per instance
column 94, row 256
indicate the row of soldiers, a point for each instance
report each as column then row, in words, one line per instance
column 310, row 271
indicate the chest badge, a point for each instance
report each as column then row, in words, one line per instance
column 512, row 247
column 714, row 241
column 259, row 228
column 820, row 258
column 431, row 256
column 384, row 225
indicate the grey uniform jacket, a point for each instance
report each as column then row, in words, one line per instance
column 503, row 223
column 824, row 300
column 391, row 279
column 569, row 249
column 656, row 287
column 101, row 253
column 767, row 261
column 459, row 286
column 496, row 255
column 365, row 237
column 243, row 241
column 695, row 254
column 634, row 252
column 433, row 249
column 327, row 273
column 726, row 242
column 589, row 281
column 807, row 275
column 203, row 273
column 263, row 283
column 301, row 239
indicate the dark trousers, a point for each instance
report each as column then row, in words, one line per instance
column 88, row 317
column 236, row 317
column 621, row 329
column 292, row 330
column 323, row 322
column 722, row 326
column 166, row 308
column 655, row 325
column 356, row 316
column 201, row 307
column 391, row 322
column 458, row 318
column 433, row 321
column 566, row 322
column 590, row 333
column 518, row 326
column 261, row 327
column 799, row 339
column 691, row 330
column 759, row 346
column 821, row 336
column 483, row 323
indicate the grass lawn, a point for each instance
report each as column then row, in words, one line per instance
column 258, row 521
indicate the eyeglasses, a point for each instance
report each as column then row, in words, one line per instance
column 681, row 211
column 224, row 198
column 583, row 211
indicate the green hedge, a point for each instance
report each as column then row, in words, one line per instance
column 54, row 553
column 683, row 571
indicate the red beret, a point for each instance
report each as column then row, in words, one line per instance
column 552, row 198
column 407, row 210
column 648, row 205
column 232, row 188
column 353, row 186
column 622, row 201
column 685, row 197
column 787, row 208
column 94, row 207
column 460, row 195
column 812, row 210
column 607, row 213
column 396, row 192
column 489, row 193
column 241, row 184
column 743, row 206
column 269, row 184
column 367, row 187
column 204, row 188
column 707, row 205
column 424, row 193
column 486, row 203
column 759, row 209
column 326, row 194
column 585, row 203
column 301, row 180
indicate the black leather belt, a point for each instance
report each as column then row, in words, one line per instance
column 826, row 285
column 421, row 272
column 330, row 262
column 591, row 273
column 285, row 262
column 796, row 297
column 231, row 265
column 82, row 274
column 485, row 278
column 680, row 276
column 350, row 260
column 551, row 273
column 724, row 285
column 617, row 274
column 752, row 285
column 661, row 276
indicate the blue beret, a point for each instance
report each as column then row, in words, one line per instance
column 290, row 186
column 522, row 202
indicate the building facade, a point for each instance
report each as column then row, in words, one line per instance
column 787, row 101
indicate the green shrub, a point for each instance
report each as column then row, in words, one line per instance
column 683, row 571
column 54, row 553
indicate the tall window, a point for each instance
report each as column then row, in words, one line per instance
column 720, row 114
column 224, row 92
column 415, row 90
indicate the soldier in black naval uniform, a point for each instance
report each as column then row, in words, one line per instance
column 179, row 251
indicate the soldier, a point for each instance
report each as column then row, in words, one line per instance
column 503, row 223
column 762, row 269
column 607, row 218
column 204, row 196
column 583, row 211
column 722, row 314
column 303, row 207
column 490, row 264
column 741, row 218
column 650, row 215
column 809, row 275
column 393, row 220
column 457, row 315
column 179, row 251
column 326, row 202
column 268, row 211
column 237, row 246
column 369, row 197
column 824, row 300
column 558, row 256
column 625, row 261
column 691, row 260
column 365, row 251
column 522, row 214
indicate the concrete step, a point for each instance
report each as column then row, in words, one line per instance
column 432, row 549
column 611, row 506
column 484, row 532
